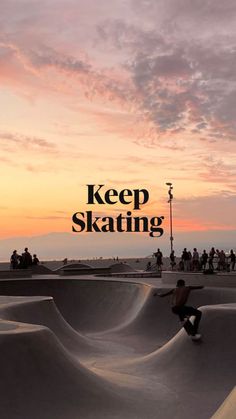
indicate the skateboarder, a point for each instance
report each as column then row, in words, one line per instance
column 179, row 299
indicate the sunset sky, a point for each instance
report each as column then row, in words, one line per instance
column 130, row 94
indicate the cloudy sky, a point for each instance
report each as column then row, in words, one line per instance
column 128, row 93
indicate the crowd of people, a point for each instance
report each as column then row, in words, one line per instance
column 189, row 261
column 23, row 261
column 215, row 259
column 193, row 261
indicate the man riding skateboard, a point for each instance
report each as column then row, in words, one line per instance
column 180, row 296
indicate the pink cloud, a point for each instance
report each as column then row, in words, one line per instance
column 214, row 212
column 173, row 84
column 12, row 141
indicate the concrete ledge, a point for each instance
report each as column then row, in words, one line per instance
column 83, row 271
column 227, row 279
column 136, row 275
column 16, row 273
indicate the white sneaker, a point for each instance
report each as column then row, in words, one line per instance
column 196, row 337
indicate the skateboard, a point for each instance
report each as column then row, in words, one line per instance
column 188, row 327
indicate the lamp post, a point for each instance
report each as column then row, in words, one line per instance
column 171, row 215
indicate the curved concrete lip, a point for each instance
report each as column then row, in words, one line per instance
column 121, row 267
column 69, row 266
column 7, row 326
column 13, row 327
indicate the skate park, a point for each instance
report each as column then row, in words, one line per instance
column 103, row 346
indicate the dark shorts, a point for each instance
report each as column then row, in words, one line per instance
column 184, row 311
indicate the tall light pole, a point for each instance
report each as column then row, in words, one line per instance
column 171, row 215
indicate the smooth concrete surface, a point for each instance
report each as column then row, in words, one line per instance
column 140, row 274
column 109, row 349
column 15, row 273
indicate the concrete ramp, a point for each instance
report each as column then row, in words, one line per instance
column 154, row 323
column 199, row 374
column 43, row 311
column 87, row 305
column 41, row 270
column 69, row 266
column 121, row 267
column 40, row 380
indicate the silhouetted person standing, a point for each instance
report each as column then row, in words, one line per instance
column 211, row 258
column 232, row 258
column 185, row 259
column 14, row 261
column 159, row 256
column 195, row 260
column 204, row 259
column 26, row 259
column 172, row 260
column 222, row 260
